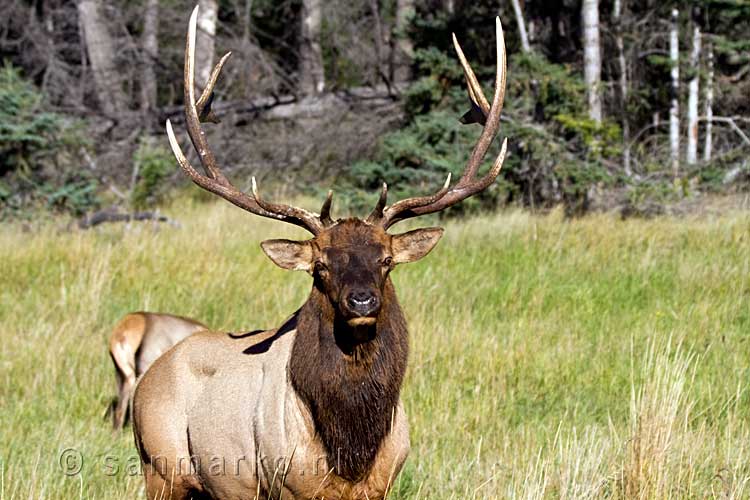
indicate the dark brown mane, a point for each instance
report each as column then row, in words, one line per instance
column 350, row 386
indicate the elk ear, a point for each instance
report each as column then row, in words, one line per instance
column 288, row 254
column 413, row 245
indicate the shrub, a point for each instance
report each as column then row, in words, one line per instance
column 33, row 144
column 27, row 134
column 154, row 164
column 555, row 157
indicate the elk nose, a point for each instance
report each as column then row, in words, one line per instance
column 362, row 302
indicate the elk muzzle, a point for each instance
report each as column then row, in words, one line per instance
column 361, row 306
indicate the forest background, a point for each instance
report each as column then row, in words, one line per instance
column 636, row 106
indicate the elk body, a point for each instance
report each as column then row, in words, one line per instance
column 310, row 410
column 136, row 341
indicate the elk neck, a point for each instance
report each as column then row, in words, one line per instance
column 350, row 378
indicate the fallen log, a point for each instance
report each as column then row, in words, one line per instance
column 106, row 216
column 290, row 107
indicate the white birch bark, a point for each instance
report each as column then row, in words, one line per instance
column 525, row 46
column 208, row 14
column 674, row 108
column 150, row 52
column 622, row 63
column 592, row 60
column 311, row 78
column 693, row 95
column 708, row 146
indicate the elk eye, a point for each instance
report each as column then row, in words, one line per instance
column 387, row 261
column 320, row 267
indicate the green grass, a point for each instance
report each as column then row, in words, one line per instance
column 550, row 358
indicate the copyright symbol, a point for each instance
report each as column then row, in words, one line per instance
column 70, row 461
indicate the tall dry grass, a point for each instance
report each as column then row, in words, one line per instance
column 592, row 358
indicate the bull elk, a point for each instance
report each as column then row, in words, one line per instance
column 135, row 343
column 310, row 410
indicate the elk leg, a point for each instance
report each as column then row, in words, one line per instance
column 172, row 479
column 124, row 360
column 123, row 401
column 180, row 488
column 167, row 464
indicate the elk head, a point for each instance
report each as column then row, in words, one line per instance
column 350, row 259
column 350, row 263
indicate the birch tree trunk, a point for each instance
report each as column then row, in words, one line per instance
column 592, row 59
column 708, row 147
column 246, row 20
column 693, row 95
column 521, row 27
column 208, row 14
column 674, row 108
column 378, row 38
column 624, row 91
column 404, row 49
column 150, row 53
column 311, row 77
column 101, row 53
column 450, row 7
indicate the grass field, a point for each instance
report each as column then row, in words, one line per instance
column 550, row 358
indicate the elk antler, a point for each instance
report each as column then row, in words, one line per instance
column 468, row 185
column 214, row 180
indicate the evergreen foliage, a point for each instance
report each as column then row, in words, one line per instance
column 556, row 156
column 34, row 143
column 27, row 133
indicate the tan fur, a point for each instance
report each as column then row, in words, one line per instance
column 136, row 341
column 249, row 436
column 361, row 321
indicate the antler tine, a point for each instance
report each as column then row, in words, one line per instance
column 472, row 84
column 205, row 113
column 197, row 136
column 325, row 210
column 408, row 204
column 281, row 211
column 214, row 180
column 493, row 117
column 468, row 185
column 377, row 213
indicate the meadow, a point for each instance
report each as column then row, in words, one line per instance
column 550, row 358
